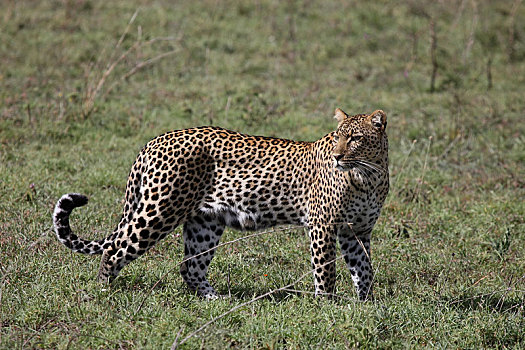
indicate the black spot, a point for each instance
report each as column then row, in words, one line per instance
column 167, row 228
column 141, row 223
column 67, row 204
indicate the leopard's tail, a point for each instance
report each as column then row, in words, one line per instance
column 63, row 209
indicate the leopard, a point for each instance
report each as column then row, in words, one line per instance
column 209, row 178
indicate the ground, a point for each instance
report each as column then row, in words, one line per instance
column 84, row 84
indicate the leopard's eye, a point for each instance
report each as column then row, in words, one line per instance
column 336, row 139
column 356, row 137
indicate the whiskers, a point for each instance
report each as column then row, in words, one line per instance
column 367, row 164
column 367, row 170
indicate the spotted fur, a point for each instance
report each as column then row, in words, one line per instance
column 209, row 178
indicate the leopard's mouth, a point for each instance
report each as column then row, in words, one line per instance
column 342, row 166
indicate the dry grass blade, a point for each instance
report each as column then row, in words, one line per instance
column 198, row 330
column 175, row 342
column 43, row 235
column 331, row 295
column 347, row 345
column 126, row 31
column 403, row 168
column 94, row 88
column 423, row 171
column 433, row 49
column 206, row 252
column 471, row 36
column 511, row 287
column 37, row 331
column 146, row 63
column 234, row 241
column 511, row 50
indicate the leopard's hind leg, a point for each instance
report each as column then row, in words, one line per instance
column 201, row 236
column 137, row 236
column 162, row 192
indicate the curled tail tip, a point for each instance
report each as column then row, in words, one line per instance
column 71, row 201
column 77, row 198
column 65, row 206
column 63, row 209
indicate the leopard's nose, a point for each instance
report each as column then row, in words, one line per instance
column 338, row 157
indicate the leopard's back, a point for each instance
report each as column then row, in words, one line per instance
column 250, row 182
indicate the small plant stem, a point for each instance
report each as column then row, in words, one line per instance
column 433, row 48
column 489, row 73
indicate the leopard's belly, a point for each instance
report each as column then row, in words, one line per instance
column 254, row 215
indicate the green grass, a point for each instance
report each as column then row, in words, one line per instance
column 448, row 248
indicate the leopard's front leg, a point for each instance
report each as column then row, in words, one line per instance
column 322, row 248
column 356, row 251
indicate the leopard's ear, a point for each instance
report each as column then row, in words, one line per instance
column 340, row 115
column 378, row 119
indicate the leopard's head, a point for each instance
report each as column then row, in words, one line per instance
column 360, row 141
